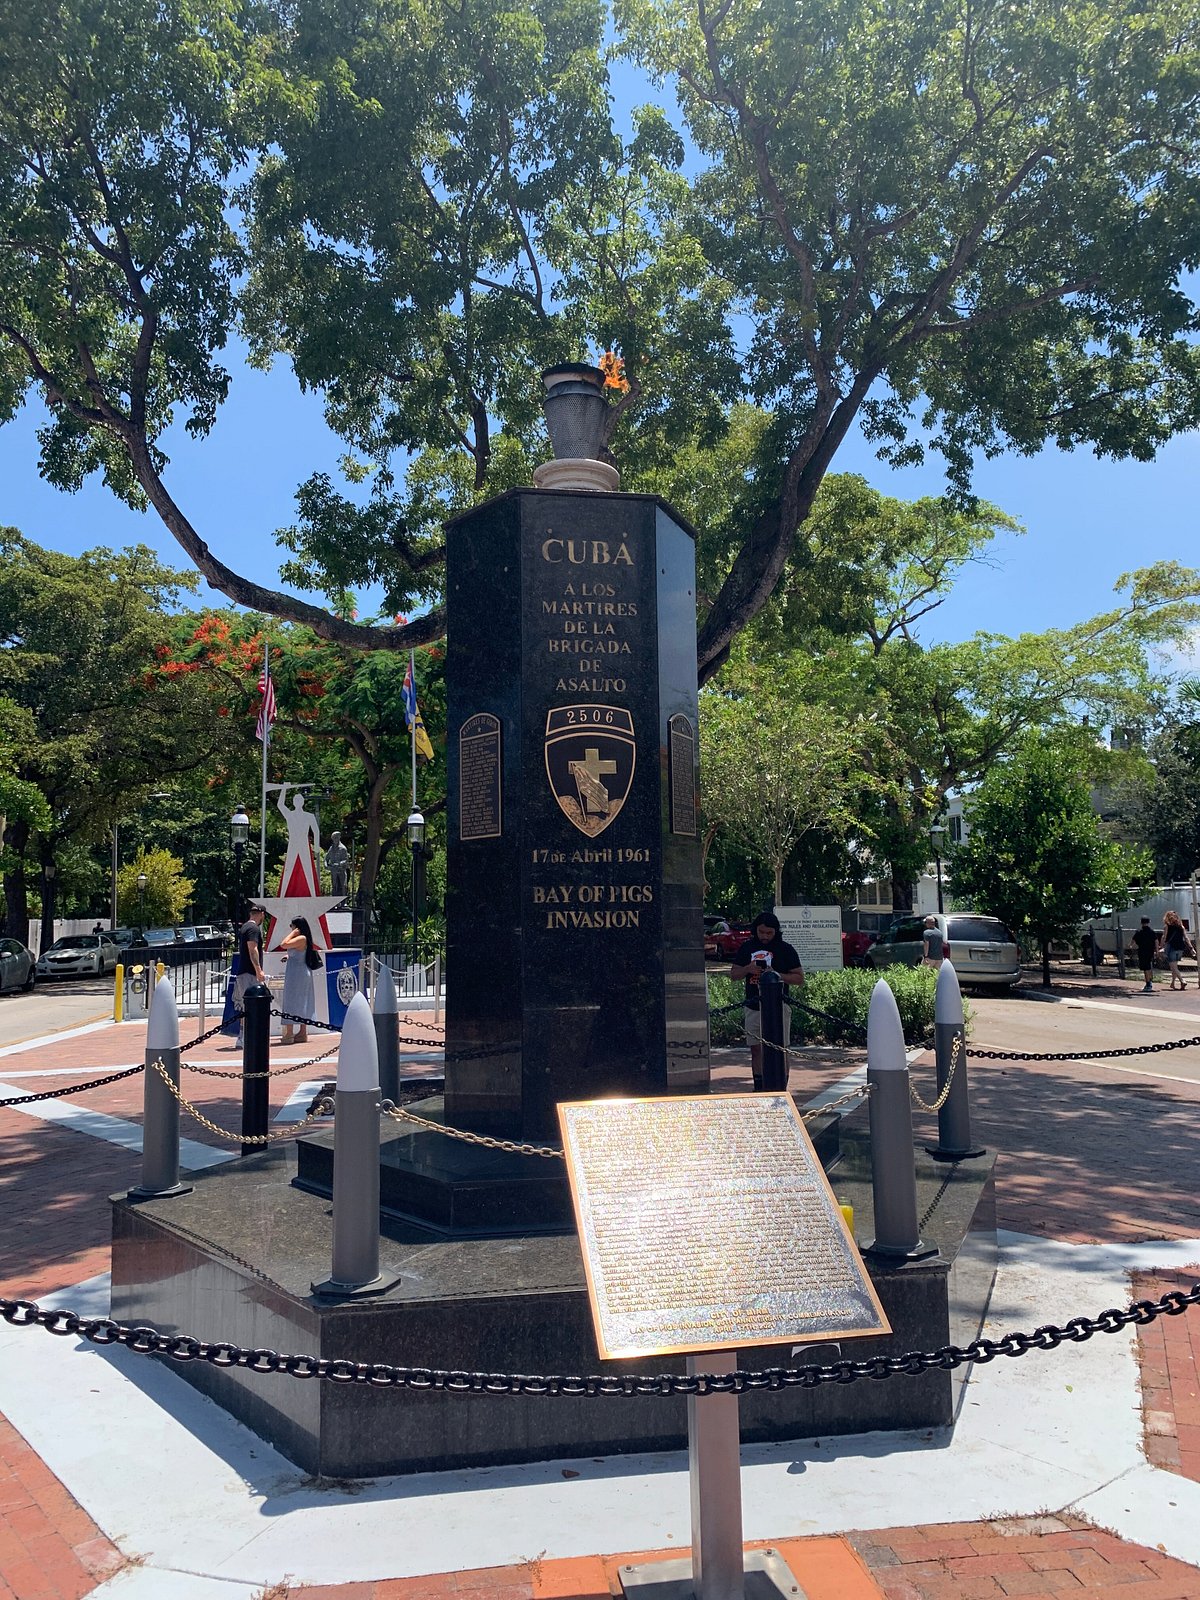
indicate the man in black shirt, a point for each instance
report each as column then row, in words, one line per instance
column 1145, row 942
column 768, row 948
column 250, row 967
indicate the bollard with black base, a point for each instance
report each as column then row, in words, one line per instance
column 949, row 1031
column 256, row 1063
column 384, row 1011
column 160, row 1115
column 893, row 1170
column 355, row 1271
column 774, row 1054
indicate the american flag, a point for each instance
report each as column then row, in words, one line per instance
column 266, row 714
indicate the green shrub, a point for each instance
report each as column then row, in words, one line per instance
column 845, row 995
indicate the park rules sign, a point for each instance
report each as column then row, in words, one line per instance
column 816, row 932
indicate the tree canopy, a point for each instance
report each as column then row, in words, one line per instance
column 1036, row 855
column 962, row 222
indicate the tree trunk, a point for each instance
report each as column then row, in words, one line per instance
column 778, row 883
column 902, row 890
column 1045, row 963
column 16, row 896
column 49, row 888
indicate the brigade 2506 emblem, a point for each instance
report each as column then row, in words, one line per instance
column 590, row 757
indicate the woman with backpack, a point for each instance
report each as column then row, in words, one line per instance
column 1175, row 945
column 298, row 1002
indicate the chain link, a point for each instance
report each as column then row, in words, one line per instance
column 955, row 1052
column 323, row 1108
column 390, row 1109
column 381, row 1375
column 74, row 1088
column 1085, row 1055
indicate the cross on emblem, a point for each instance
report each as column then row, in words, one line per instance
column 594, row 767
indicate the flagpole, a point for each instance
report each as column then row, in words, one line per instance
column 412, row 732
column 266, row 739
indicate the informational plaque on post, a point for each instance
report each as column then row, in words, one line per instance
column 479, row 814
column 708, row 1223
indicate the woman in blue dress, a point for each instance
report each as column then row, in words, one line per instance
column 298, row 1002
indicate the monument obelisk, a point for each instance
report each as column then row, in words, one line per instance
column 574, row 908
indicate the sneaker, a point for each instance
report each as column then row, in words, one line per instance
column 1147, row 988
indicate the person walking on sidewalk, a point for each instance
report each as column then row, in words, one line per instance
column 1145, row 942
column 1176, row 945
column 933, row 946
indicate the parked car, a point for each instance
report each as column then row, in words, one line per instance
column 163, row 936
column 981, row 949
column 17, row 965
column 76, row 953
column 855, row 946
column 723, row 939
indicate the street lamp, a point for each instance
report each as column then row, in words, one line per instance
column 936, row 834
column 239, row 833
column 415, row 827
column 141, row 889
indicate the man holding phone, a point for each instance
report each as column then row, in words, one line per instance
column 767, row 948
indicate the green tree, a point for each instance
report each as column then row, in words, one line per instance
column 84, row 639
column 161, row 901
column 1036, row 856
column 970, row 224
column 1161, row 807
column 776, row 765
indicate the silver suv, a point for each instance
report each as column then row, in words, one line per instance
column 981, row 949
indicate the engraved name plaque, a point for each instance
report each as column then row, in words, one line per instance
column 708, row 1223
column 479, row 805
column 682, row 770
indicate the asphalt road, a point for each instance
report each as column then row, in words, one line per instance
column 54, row 1004
column 1017, row 1021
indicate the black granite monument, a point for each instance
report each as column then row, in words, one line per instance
column 575, row 891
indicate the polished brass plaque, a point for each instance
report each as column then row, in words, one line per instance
column 479, row 802
column 708, row 1223
column 682, row 769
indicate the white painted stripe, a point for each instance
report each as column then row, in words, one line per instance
column 38, row 1041
column 113, row 1130
column 295, row 1107
column 73, row 1072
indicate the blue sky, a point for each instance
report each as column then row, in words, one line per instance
column 1088, row 521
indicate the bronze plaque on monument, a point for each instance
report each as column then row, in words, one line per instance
column 479, row 804
column 681, row 770
column 708, row 1223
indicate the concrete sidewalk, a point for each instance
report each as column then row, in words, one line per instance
column 1072, row 1470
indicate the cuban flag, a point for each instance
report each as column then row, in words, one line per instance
column 412, row 713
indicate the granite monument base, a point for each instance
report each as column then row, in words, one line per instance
column 468, row 1190
column 233, row 1260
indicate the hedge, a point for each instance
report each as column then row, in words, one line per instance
column 845, row 995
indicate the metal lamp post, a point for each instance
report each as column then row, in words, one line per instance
column 141, row 889
column 239, row 833
column 49, row 873
column 416, row 838
column 936, row 834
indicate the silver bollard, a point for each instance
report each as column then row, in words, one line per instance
column 437, row 988
column 893, row 1172
column 385, row 1012
column 160, row 1114
column 356, row 1164
column 954, row 1115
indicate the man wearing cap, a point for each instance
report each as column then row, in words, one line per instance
column 767, row 948
column 250, row 967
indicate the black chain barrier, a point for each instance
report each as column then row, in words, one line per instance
column 382, row 1375
column 1083, row 1055
column 72, row 1088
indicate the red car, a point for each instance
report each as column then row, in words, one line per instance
column 855, row 947
column 722, row 939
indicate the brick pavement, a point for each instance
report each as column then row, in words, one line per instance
column 1035, row 1557
column 1169, row 1357
column 49, row 1548
column 1077, row 1163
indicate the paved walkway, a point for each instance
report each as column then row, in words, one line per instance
column 1075, row 1471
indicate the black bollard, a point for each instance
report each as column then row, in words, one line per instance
column 774, row 1056
column 256, row 1063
